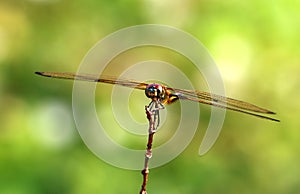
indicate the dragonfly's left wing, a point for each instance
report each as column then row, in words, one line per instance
column 223, row 102
column 95, row 78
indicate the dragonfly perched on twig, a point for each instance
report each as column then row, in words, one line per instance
column 167, row 95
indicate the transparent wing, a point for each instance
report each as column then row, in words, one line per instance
column 94, row 78
column 197, row 96
column 223, row 102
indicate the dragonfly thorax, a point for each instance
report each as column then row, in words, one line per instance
column 155, row 92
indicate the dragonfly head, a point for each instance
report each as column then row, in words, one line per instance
column 155, row 92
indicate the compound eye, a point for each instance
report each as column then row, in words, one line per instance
column 154, row 91
column 151, row 90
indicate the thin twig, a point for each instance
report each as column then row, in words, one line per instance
column 152, row 112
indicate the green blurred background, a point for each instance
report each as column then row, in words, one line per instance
column 255, row 44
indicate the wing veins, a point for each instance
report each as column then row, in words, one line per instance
column 94, row 78
column 215, row 104
column 225, row 101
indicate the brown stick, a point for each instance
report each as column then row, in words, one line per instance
column 148, row 154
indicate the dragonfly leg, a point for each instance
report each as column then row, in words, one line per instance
column 154, row 108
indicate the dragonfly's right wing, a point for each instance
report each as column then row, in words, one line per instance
column 95, row 78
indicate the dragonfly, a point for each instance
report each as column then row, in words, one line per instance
column 167, row 95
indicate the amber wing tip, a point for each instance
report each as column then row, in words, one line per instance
column 39, row 73
column 273, row 113
column 42, row 74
